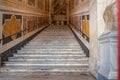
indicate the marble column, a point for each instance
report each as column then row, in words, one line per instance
column 108, row 56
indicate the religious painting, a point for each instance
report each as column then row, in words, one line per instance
column 47, row 5
column 76, row 2
column 31, row 2
column 41, row 22
column 25, row 29
column 19, row 0
column 60, row 7
column 85, row 25
column 71, row 4
column 11, row 27
column 31, row 23
column 40, row 4
column 38, row 22
column 78, row 23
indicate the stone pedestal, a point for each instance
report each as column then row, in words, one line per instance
column 108, row 56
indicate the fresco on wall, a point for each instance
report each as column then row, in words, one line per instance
column 31, row 23
column 25, row 25
column 78, row 23
column 71, row 4
column 81, row 24
column 47, row 5
column 11, row 26
column 38, row 22
column 76, row 2
column 60, row 7
column 41, row 4
column 41, row 22
column 85, row 25
column 31, row 2
column 18, row 0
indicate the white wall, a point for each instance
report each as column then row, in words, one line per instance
column 94, row 49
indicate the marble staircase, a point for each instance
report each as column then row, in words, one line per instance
column 54, row 50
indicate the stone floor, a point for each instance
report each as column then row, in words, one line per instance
column 39, row 76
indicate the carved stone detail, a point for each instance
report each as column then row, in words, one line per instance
column 110, row 18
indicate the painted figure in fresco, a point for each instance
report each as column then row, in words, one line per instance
column 11, row 27
column 110, row 18
column 60, row 7
column 31, row 2
column 85, row 26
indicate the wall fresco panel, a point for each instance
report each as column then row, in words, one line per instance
column 25, row 28
column 11, row 26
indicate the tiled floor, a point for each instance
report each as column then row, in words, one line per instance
column 39, row 76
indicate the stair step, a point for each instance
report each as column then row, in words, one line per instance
column 56, row 34
column 52, row 47
column 51, row 40
column 54, row 38
column 49, row 51
column 49, row 60
column 37, row 57
column 54, row 70
column 31, row 52
column 53, row 44
column 44, row 65
column 51, row 56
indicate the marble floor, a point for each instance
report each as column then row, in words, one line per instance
column 39, row 76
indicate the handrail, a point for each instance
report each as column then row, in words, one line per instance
column 75, row 26
column 81, row 32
